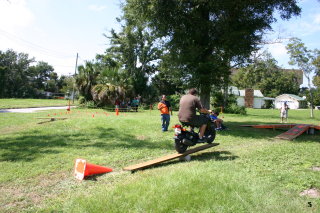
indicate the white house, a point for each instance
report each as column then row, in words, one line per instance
column 258, row 98
column 293, row 101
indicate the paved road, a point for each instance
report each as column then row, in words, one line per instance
column 30, row 110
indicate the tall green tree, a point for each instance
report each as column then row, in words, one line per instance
column 86, row 79
column 135, row 49
column 43, row 77
column 264, row 74
column 203, row 37
column 307, row 60
column 110, row 72
column 20, row 79
column 14, row 80
column 316, row 81
column 66, row 84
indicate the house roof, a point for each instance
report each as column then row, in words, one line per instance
column 292, row 96
column 233, row 90
column 268, row 98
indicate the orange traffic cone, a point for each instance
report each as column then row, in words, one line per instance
column 117, row 111
column 83, row 169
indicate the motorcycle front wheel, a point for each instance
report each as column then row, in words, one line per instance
column 179, row 146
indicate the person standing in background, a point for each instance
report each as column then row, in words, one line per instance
column 135, row 104
column 284, row 112
column 117, row 103
column 164, row 106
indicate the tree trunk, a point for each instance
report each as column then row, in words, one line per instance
column 311, row 98
column 205, row 53
column 225, row 91
column 311, row 104
column 205, row 95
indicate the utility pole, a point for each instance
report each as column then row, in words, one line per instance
column 75, row 72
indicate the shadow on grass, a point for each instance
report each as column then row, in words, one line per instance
column 94, row 177
column 34, row 144
column 216, row 155
column 28, row 146
column 236, row 130
column 205, row 156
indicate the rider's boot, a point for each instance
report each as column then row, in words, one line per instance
column 201, row 140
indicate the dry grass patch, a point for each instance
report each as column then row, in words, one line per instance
column 34, row 191
column 141, row 137
column 316, row 168
column 313, row 193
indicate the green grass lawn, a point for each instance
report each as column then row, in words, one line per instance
column 12, row 103
column 249, row 171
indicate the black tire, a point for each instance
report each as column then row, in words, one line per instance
column 179, row 146
column 210, row 131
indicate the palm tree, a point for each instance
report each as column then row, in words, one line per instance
column 86, row 79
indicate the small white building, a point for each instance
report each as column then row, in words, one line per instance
column 47, row 94
column 293, row 101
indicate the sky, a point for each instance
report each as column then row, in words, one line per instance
column 54, row 31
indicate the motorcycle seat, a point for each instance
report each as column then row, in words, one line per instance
column 188, row 125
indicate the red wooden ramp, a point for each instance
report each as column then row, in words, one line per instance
column 294, row 132
column 294, row 129
column 315, row 127
column 168, row 157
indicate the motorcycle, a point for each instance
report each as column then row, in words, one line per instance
column 184, row 138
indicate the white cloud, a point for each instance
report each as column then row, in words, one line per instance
column 97, row 8
column 16, row 22
column 14, row 15
column 301, row 28
column 316, row 19
column 278, row 50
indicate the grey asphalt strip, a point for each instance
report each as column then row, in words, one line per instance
column 30, row 110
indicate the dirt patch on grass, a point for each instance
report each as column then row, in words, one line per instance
column 313, row 193
column 51, row 179
column 13, row 197
column 316, row 168
column 141, row 137
column 14, row 129
column 33, row 192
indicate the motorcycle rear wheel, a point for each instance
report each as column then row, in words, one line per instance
column 210, row 131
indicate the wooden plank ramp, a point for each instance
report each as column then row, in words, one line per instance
column 294, row 132
column 168, row 157
column 51, row 119
column 54, row 118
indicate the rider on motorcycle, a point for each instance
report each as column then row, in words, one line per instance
column 187, row 113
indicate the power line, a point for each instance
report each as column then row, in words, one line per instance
column 39, row 48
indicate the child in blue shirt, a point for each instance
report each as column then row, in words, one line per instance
column 216, row 120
